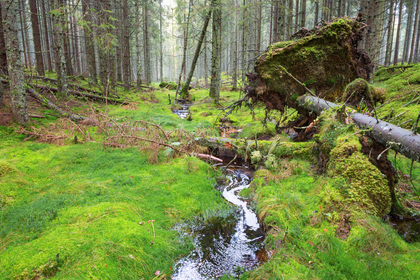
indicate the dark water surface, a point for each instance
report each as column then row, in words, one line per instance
column 407, row 227
column 229, row 244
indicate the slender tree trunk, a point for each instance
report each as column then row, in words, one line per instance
column 389, row 34
column 126, row 48
column 47, row 39
column 59, row 28
column 303, row 14
column 275, row 22
column 37, row 38
column 206, row 67
column 77, row 61
column 28, row 63
column 290, row 20
column 161, row 41
column 316, row 19
column 10, row 10
column 138, row 44
column 397, row 40
column 184, row 56
column 414, row 33
column 235, row 50
column 258, row 35
column 216, row 52
column 297, row 15
column 408, row 33
column 90, row 50
column 146, row 42
column 3, row 55
column 416, row 51
column 185, row 88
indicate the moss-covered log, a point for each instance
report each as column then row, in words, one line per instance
column 324, row 62
column 44, row 101
column 403, row 141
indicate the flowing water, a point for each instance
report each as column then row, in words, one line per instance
column 407, row 227
column 229, row 244
column 183, row 112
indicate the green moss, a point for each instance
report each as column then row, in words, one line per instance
column 367, row 189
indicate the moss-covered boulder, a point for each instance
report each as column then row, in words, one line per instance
column 325, row 62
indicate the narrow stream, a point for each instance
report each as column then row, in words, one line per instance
column 226, row 245
column 183, row 112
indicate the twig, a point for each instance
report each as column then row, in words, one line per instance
column 400, row 114
column 290, row 75
column 415, row 125
column 379, row 156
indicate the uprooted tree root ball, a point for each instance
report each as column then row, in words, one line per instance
column 325, row 62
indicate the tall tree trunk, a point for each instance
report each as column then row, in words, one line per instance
column 414, row 33
column 126, row 48
column 206, row 67
column 90, row 50
column 258, row 35
column 389, row 34
column 60, row 65
column 316, row 19
column 66, row 36
column 216, row 52
column 408, row 33
column 3, row 56
column 77, row 61
column 184, row 92
column 397, row 40
column 281, row 20
column 47, row 39
column 146, row 42
column 184, row 55
column 138, row 61
column 416, row 51
column 297, row 16
column 289, row 25
column 275, row 31
column 37, row 38
column 10, row 8
column 235, row 50
column 161, row 41
column 303, row 14
column 25, row 39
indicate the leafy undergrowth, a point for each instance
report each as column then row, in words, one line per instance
column 304, row 240
column 74, row 211
column 403, row 98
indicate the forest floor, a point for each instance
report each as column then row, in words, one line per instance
column 80, row 201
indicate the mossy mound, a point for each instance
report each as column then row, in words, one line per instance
column 325, row 61
column 360, row 93
column 361, row 184
column 170, row 85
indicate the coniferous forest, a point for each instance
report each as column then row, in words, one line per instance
column 209, row 139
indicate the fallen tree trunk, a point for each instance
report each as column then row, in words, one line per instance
column 44, row 101
column 403, row 141
column 86, row 95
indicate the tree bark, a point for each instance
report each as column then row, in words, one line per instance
column 47, row 40
column 408, row 33
column 10, row 8
column 126, row 48
column 161, row 42
column 89, row 45
column 60, row 59
column 37, row 38
column 397, row 40
column 390, row 34
column 146, row 42
column 3, row 56
column 216, row 52
column 274, row 37
column 235, row 51
column 303, row 14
